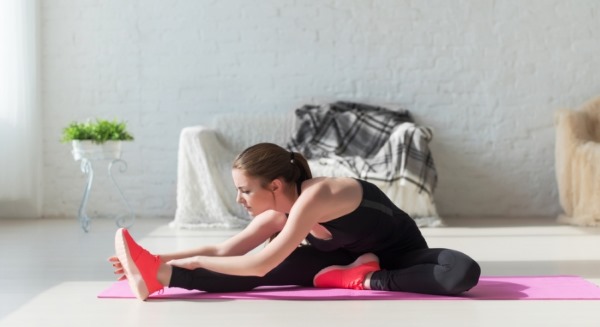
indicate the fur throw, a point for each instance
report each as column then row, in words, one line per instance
column 578, row 163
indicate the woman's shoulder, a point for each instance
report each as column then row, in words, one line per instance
column 333, row 184
column 336, row 195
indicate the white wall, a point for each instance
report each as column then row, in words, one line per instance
column 486, row 75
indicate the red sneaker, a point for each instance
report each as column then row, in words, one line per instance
column 141, row 267
column 351, row 276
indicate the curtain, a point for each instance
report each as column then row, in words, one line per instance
column 20, row 136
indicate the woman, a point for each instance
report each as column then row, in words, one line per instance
column 357, row 238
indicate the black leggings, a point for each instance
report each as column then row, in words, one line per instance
column 430, row 271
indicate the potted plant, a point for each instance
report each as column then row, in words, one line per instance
column 99, row 139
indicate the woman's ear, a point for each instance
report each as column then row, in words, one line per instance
column 275, row 185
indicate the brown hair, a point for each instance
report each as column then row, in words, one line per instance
column 269, row 161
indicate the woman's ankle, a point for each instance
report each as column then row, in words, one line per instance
column 164, row 274
column 367, row 282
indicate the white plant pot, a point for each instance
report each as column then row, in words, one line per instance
column 109, row 150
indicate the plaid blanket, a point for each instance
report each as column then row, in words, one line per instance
column 376, row 143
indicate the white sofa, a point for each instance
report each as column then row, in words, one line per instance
column 205, row 190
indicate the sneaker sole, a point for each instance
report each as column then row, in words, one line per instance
column 134, row 277
column 363, row 259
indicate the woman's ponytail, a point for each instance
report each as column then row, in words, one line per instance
column 269, row 161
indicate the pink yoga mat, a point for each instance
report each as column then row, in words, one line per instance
column 489, row 288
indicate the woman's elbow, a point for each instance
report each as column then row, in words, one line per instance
column 260, row 274
column 261, row 269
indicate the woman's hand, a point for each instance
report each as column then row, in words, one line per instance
column 187, row 263
column 118, row 267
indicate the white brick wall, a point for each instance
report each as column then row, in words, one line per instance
column 486, row 75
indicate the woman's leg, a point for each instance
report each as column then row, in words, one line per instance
column 297, row 269
column 430, row 271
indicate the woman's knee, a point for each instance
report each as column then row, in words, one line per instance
column 460, row 272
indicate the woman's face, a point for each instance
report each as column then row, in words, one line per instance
column 255, row 198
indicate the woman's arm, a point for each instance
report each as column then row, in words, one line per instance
column 321, row 200
column 256, row 233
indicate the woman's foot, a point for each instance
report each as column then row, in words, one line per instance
column 139, row 265
column 351, row 276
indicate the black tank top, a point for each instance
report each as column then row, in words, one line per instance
column 377, row 225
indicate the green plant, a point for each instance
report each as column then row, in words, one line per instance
column 98, row 131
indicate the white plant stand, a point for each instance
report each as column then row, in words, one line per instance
column 88, row 153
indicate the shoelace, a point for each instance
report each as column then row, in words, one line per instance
column 155, row 259
column 356, row 284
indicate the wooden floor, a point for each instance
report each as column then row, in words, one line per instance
column 51, row 272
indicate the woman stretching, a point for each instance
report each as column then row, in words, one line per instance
column 357, row 238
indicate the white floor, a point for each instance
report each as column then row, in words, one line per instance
column 51, row 272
